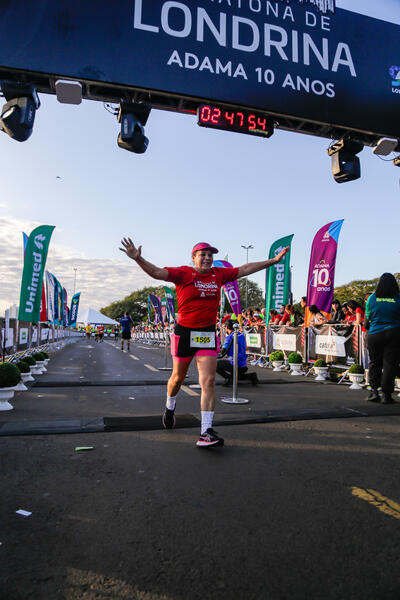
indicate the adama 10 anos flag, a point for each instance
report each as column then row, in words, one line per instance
column 321, row 273
column 32, row 276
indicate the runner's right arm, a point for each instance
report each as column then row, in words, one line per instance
column 136, row 254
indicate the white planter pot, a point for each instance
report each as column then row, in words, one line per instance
column 21, row 387
column 26, row 377
column 6, row 394
column 295, row 368
column 321, row 372
column 356, row 379
column 36, row 370
column 277, row 365
column 46, row 361
column 42, row 365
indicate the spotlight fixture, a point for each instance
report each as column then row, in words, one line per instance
column 18, row 114
column 345, row 163
column 133, row 117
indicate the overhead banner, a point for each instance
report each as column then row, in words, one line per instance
column 33, row 272
column 321, row 273
column 231, row 289
column 73, row 313
column 312, row 59
column 170, row 302
column 278, row 277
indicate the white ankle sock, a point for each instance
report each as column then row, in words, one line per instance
column 171, row 402
column 206, row 420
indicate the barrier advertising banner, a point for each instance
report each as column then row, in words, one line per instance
column 335, row 344
column 312, row 59
column 32, row 276
column 231, row 289
column 73, row 313
column 287, row 339
column 321, row 273
column 278, row 280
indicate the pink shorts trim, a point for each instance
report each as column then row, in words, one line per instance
column 182, row 359
column 174, row 344
column 206, row 353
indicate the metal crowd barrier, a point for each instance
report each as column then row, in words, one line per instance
column 339, row 344
column 24, row 338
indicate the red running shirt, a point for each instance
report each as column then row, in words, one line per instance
column 198, row 295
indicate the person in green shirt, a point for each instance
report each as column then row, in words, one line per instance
column 382, row 319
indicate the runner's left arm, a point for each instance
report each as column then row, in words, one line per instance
column 254, row 267
column 136, row 254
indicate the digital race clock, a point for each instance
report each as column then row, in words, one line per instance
column 241, row 121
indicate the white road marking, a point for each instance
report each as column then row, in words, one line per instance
column 187, row 389
column 151, row 368
column 134, row 357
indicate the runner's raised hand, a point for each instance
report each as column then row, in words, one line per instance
column 130, row 249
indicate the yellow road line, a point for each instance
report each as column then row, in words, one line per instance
column 385, row 505
column 187, row 389
column 151, row 368
column 134, row 357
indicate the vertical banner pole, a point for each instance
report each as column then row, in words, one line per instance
column 235, row 399
column 166, row 338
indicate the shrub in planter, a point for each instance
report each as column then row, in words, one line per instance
column 356, row 370
column 10, row 375
column 276, row 356
column 23, row 366
column 320, row 363
column 38, row 356
column 46, row 356
column 30, row 360
column 295, row 358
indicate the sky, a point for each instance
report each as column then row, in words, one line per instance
column 193, row 184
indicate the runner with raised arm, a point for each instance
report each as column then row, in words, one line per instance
column 198, row 292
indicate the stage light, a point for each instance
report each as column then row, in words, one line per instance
column 345, row 163
column 133, row 117
column 18, row 114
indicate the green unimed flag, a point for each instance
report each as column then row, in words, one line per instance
column 32, row 276
column 278, row 282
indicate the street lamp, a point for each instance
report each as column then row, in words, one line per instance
column 247, row 248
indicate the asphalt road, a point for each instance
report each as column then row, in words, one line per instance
column 302, row 509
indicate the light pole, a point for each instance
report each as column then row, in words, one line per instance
column 247, row 248
column 75, row 270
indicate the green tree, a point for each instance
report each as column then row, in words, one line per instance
column 135, row 304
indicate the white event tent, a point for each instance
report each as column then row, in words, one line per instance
column 94, row 317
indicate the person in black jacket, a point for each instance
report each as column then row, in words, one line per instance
column 337, row 314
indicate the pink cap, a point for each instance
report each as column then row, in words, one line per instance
column 204, row 246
